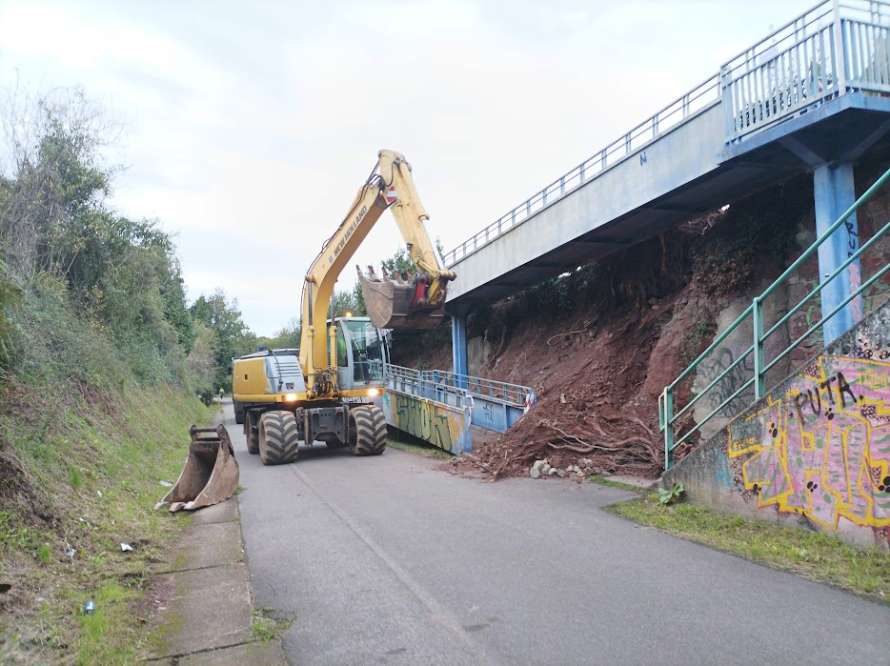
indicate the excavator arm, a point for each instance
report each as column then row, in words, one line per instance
column 397, row 301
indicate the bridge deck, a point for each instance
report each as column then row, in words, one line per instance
column 778, row 109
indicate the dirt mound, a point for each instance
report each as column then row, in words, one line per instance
column 599, row 344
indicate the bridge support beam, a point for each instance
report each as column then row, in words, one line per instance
column 459, row 364
column 834, row 192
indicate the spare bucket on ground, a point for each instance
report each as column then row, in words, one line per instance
column 399, row 302
column 210, row 474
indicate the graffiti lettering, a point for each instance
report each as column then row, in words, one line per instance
column 822, row 449
column 427, row 420
column 730, row 383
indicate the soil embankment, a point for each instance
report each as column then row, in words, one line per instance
column 599, row 343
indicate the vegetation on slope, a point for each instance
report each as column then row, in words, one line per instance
column 101, row 364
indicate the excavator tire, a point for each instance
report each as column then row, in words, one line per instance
column 251, row 434
column 279, row 438
column 368, row 431
column 239, row 412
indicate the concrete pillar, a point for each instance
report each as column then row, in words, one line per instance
column 834, row 192
column 459, row 345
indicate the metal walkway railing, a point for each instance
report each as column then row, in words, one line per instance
column 493, row 405
column 834, row 48
column 747, row 389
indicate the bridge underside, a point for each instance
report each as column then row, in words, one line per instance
column 839, row 130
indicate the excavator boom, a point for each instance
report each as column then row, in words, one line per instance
column 414, row 301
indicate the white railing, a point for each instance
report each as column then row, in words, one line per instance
column 826, row 51
column 683, row 108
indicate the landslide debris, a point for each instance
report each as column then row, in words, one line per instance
column 599, row 344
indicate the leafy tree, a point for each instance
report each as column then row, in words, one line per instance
column 344, row 302
column 202, row 361
column 233, row 337
column 287, row 337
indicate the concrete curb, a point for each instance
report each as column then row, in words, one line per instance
column 210, row 610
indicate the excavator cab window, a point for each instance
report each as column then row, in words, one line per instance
column 342, row 354
column 367, row 350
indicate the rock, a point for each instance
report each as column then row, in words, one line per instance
column 537, row 469
column 560, row 473
column 545, row 468
column 554, row 471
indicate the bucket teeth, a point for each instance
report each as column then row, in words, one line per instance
column 210, row 474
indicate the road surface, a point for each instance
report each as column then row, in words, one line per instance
column 389, row 560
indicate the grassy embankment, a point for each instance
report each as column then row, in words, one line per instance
column 83, row 448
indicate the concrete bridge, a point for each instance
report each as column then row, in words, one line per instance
column 813, row 96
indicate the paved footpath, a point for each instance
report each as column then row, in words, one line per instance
column 390, row 560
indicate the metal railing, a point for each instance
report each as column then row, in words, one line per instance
column 687, row 106
column 754, row 387
column 511, row 394
column 431, row 383
column 826, row 51
column 412, row 381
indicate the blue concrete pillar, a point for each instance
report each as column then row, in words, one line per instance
column 834, row 191
column 459, row 345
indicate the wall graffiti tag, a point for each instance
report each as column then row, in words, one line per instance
column 441, row 426
column 821, row 449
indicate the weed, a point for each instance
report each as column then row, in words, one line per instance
column 74, row 477
column 810, row 554
column 44, row 554
column 671, row 495
column 265, row 627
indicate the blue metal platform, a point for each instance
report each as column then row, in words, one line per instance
column 440, row 407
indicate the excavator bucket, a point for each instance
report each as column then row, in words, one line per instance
column 210, row 474
column 399, row 302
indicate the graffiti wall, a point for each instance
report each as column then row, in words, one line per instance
column 816, row 451
column 441, row 425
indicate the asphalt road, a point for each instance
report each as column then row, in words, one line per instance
column 390, row 560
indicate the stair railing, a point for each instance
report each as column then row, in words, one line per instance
column 668, row 416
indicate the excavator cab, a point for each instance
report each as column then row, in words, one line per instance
column 362, row 349
column 401, row 301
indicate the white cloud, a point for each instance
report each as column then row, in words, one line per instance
column 249, row 127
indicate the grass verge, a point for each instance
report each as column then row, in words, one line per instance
column 611, row 483
column 93, row 467
column 812, row 555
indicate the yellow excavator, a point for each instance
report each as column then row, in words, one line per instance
column 328, row 390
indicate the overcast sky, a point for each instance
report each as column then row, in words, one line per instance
column 248, row 127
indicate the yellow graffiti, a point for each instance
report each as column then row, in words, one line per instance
column 428, row 421
column 822, row 449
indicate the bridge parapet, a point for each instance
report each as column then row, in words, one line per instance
column 833, row 49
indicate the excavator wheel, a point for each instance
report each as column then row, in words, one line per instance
column 279, row 438
column 368, row 430
column 239, row 412
column 251, row 433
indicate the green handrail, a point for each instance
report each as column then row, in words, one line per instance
column 666, row 416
